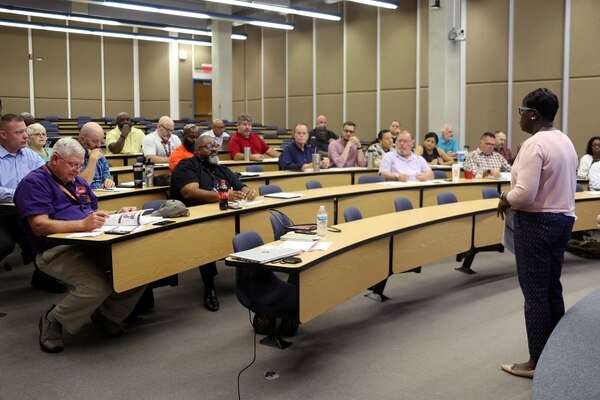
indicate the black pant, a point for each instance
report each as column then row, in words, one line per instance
column 11, row 234
column 208, row 273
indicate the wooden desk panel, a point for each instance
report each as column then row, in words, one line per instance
column 488, row 229
column 134, row 198
column 429, row 243
column 372, row 204
column 338, row 279
column 586, row 212
column 290, row 184
column 145, row 259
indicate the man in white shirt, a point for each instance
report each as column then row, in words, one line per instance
column 217, row 132
column 158, row 145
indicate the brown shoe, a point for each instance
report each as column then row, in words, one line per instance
column 110, row 328
column 51, row 340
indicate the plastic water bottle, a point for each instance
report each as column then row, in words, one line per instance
column 322, row 222
column 149, row 173
column 223, row 195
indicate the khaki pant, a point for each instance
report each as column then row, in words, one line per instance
column 83, row 270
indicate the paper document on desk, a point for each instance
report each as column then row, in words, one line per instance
column 246, row 173
column 306, row 246
column 594, row 192
column 508, row 239
column 85, row 234
column 127, row 222
column 114, row 189
column 284, row 195
column 274, row 159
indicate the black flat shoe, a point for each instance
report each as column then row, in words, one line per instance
column 211, row 303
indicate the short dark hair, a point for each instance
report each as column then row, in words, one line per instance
column 588, row 149
column 431, row 135
column 488, row 134
column 349, row 123
column 244, row 117
column 6, row 118
column 544, row 101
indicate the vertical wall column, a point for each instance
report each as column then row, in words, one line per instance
column 173, row 78
column 445, row 69
column 222, row 81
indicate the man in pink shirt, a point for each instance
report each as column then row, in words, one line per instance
column 245, row 138
column 542, row 197
column 347, row 151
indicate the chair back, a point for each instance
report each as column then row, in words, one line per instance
column 402, row 204
column 352, row 214
column 153, row 205
column 279, row 222
column 370, row 179
column 490, row 193
column 446, row 198
column 254, row 168
column 439, row 174
column 268, row 189
column 313, row 184
column 578, row 188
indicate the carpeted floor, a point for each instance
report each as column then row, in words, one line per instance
column 442, row 335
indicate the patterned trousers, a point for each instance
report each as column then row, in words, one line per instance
column 540, row 242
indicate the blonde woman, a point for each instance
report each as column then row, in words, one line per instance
column 37, row 141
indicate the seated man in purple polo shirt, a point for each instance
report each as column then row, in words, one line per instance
column 55, row 199
column 403, row 165
column 347, row 150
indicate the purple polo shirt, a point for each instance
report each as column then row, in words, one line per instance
column 40, row 193
column 395, row 163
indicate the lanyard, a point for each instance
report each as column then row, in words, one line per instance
column 79, row 200
column 166, row 147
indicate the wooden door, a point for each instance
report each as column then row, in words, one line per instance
column 202, row 99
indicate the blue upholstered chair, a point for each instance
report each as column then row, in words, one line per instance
column 352, row 214
column 446, row 198
column 370, row 179
column 313, row 184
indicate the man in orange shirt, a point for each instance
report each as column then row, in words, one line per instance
column 186, row 150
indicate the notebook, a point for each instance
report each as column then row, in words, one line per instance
column 284, row 195
column 264, row 255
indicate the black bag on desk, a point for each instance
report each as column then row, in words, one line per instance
column 289, row 226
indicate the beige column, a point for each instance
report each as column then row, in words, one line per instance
column 222, row 89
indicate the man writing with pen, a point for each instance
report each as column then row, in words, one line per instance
column 95, row 169
column 194, row 181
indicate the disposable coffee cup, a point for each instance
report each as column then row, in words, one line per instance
column 316, row 161
column 455, row 172
column 246, row 153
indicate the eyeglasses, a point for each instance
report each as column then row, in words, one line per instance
column 525, row 109
column 165, row 128
column 74, row 167
column 210, row 146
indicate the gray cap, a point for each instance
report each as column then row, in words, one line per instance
column 172, row 209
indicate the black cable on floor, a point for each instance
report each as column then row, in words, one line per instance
column 253, row 358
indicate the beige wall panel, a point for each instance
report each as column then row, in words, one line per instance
column 154, row 109
column 15, row 105
column 239, row 107
column 424, row 43
column 275, row 112
column 253, row 67
column 585, row 51
column 398, row 105
column 520, row 90
column 361, row 110
column 538, row 50
column 185, row 109
column 86, row 74
column 50, row 75
column 274, row 63
column 185, row 78
column 118, row 71
column 44, row 107
column 300, row 58
column 300, row 110
column 584, row 118
column 202, row 55
column 399, row 46
column 154, row 73
column 238, row 70
column 113, row 107
column 330, row 36
column 361, row 47
column 14, row 75
column 254, row 108
column 486, row 111
column 487, row 44
column 91, row 108
column 329, row 105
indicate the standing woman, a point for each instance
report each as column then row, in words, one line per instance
column 37, row 141
column 542, row 196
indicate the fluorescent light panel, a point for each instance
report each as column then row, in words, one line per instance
column 97, row 32
column 280, row 9
column 193, row 14
column 105, row 21
column 377, row 3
